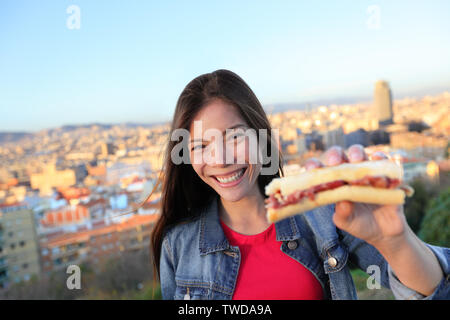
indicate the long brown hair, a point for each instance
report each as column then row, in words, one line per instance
column 183, row 193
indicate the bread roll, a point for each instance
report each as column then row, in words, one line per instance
column 347, row 192
column 346, row 171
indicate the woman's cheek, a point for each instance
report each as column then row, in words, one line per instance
column 196, row 159
column 238, row 154
column 243, row 154
column 248, row 154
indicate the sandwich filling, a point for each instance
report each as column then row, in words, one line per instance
column 276, row 200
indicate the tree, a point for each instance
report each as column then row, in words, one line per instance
column 447, row 151
column 416, row 205
column 435, row 227
column 128, row 276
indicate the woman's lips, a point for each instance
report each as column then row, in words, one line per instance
column 230, row 179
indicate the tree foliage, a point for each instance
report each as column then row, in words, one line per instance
column 128, row 276
column 435, row 227
column 415, row 206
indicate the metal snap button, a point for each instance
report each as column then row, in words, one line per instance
column 332, row 262
column 292, row 245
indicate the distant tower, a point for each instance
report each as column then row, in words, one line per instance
column 383, row 102
column 107, row 148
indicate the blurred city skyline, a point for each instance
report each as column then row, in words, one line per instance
column 128, row 62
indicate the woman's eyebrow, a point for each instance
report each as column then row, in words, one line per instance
column 239, row 125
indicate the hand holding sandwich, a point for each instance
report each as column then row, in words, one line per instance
column 385, row 227
column 370, row 222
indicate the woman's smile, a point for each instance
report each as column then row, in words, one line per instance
column 230, row 179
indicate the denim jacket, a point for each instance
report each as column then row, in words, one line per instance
column 197, row 261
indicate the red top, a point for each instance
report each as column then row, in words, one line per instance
column 266, row 273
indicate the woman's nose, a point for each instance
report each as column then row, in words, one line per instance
column 221, row 156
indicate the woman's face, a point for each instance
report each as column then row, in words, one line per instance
column 220, row 151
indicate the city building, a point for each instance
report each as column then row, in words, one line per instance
column 333, row 137
column 3, row 262
column 19, row 251
column 359, row 136
column 314, row 141
column 96, row 208
column 126, row 168
column 96, row 175
column 96, row 245
column 63, row 250
column 420, row 145
column 300, row 142
column 65, row 216
column 51, row 178
column 379, row 137
column 383, row 103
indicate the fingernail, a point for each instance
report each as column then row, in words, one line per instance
column 311, row 164
column 356, row 156
column 333, row 160
column 379, row 155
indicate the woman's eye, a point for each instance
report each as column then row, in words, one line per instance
column 235, row 136
column 197, row 147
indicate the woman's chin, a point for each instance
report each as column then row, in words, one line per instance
column 232, row 195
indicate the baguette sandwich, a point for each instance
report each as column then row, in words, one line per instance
column 375, row 182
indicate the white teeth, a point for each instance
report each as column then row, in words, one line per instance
column 232, row 178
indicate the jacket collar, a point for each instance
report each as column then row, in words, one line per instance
column 213, row 239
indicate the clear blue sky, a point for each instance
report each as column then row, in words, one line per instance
column 131, row 59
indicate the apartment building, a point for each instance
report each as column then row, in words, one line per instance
column 96, row 245
column 19, row 254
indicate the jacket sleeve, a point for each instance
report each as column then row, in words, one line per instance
column 167, row 271
column 442, row 291
column 364, row 255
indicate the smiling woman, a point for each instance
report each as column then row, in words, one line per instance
column 219, row 101
column 213, row 240
column 220, row 170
